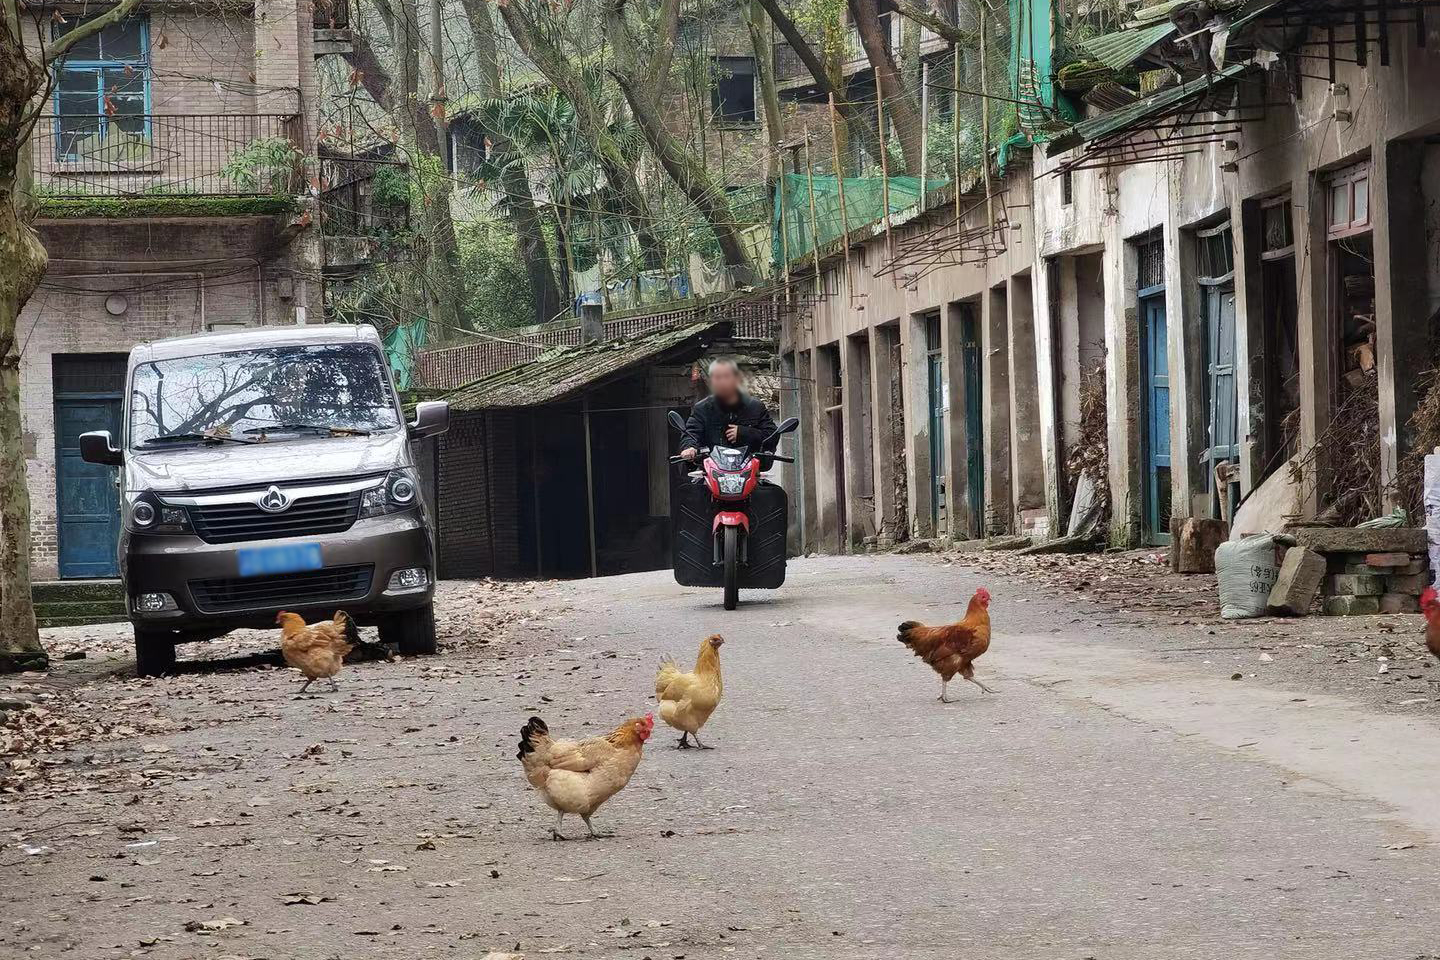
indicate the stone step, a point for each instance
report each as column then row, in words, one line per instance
column 76, row 621
column 67, row 591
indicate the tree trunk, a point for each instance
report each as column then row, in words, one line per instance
column 901, row 109
column 642, row 89
column 520, row 204
column 562, row 71
column 420, row 140
column 769, row 94
column 22, row 264
column 827, row 81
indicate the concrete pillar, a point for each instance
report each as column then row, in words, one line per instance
column 917, row 425
column 809, row 427
column 1315, row 337
column 1047, row 304
column 1066, row 319
column 1027, row 476
column 884, row 373
column 829, row 536
column 1122, row 383
column 1402, row 312
column 790, row 475
column 1250, row 360
column 995, row 393
column 957, row 439
column 1186, row 351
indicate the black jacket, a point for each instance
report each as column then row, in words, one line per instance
column 709, row 418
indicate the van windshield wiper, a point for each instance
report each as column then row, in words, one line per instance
column 196, row 438
column 316, row 427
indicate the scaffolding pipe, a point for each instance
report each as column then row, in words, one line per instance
column 840, row 193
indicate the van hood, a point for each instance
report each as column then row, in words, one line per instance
column 208, row 466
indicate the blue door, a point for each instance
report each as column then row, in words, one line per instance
column 1224, row 416
column 88, row 503
column 935, row 365
column 1155, row 374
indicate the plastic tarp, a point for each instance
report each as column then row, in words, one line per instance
column 402, row 348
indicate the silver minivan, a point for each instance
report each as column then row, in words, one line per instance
column 269, row 469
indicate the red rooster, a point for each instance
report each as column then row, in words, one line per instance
column 954, row 648
column 1430, row 606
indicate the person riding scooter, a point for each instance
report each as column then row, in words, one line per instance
column 728, row 416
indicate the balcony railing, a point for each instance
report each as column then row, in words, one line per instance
column 215, row 155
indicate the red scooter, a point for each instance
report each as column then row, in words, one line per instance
column 729, row 521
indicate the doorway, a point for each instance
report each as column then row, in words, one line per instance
column 938, row 403
column 1216, row 275
column 1155, row 375
column 974, row 421
column 87, row 502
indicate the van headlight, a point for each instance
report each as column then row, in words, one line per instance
column 399, row 491
column 146, row 513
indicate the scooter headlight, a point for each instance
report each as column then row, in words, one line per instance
column 732, row 483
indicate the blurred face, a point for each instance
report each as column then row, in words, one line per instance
column 725, row 382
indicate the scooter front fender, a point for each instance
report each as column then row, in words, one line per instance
column 731, row 518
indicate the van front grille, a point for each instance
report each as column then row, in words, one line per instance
column 307, row 516
column 326, row 586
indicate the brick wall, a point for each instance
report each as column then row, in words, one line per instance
column 464, row 492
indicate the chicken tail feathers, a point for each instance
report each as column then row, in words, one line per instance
column 347, row 625
column 905, row 635
column 534, row 727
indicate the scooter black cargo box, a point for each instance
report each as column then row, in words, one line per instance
column 692, row 511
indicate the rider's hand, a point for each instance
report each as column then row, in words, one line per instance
column 732, row 433
column 689, row 453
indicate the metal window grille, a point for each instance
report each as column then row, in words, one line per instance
column 1216, row 252
column 1152, row 263
column 1275, row 225
column 89, row 373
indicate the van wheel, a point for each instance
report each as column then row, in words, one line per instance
column 154, row 652
column 412, row 631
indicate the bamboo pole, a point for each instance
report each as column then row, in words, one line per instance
column 985, row 126
column 884, row 167
column 925, row 130
column 956, row 117
column 840, row 192
column 814, row 222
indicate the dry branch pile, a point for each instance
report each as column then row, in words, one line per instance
column 1091, row 453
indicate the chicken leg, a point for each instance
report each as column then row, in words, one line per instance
column 306, row 685
column 699, row 744
column 980, row 685
column 555, row 830
column 591, row 827
column 684, row 742
column 334, row 687
column 944, row 685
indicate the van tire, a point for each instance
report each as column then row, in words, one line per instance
column 154, row 652
column 413, row 631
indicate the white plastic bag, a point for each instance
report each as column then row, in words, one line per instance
column 1432, row 509
column 1246, row 570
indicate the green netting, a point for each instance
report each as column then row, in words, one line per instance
column 402, row 347
column 864, row 205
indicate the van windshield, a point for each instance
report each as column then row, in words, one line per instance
column 325, row 388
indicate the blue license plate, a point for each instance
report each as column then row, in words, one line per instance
column 263, row 561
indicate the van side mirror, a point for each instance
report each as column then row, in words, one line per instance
column 96, row 447
column 788, row 425
column 432, row 418
column 677, row 421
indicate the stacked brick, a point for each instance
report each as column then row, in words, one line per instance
column 1369, row 571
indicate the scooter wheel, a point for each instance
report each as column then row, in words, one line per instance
column 732, row 567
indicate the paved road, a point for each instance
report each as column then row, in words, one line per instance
column 1103, row 805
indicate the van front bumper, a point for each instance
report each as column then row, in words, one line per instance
column 210, row 597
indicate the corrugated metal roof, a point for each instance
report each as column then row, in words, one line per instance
column 1137, row 114
column 1121, row 49
column 564, row 372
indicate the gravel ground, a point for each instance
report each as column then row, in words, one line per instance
column 1120, row 798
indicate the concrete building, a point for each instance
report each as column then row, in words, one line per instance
column 171, row 179
column 1247, row 255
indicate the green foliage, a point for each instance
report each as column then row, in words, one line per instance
column 497, row 285
column 265, row 165
column 390, row 187
column 162, row 205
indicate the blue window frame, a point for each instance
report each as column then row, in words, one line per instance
column 102, row 92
